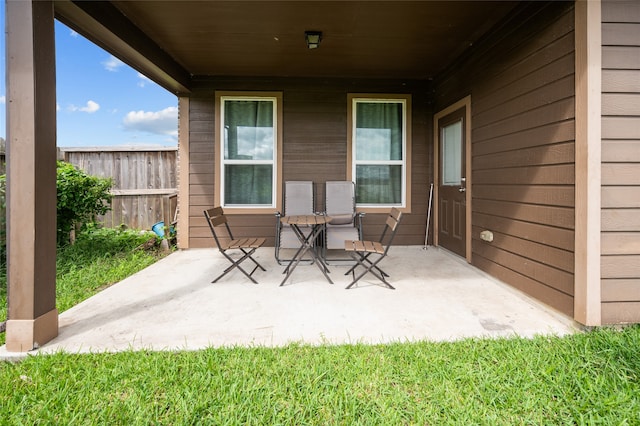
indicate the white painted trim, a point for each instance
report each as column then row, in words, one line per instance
column 587, row 278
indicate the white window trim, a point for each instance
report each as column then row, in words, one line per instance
column 405, row 100
column 276, row 98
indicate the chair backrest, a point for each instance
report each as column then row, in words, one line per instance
column 298, row 198
column 340, row 201
column 391, row 227
column 215, row 217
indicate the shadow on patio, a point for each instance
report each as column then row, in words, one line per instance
column 173, row 305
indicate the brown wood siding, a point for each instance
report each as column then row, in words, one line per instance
column 201, row 169
column 620, row 265
column 314, row 148
column 521, row 81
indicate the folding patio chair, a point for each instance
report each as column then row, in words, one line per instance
column 361, row 251
column 346, row 223
column 298, row 201
column 226, row 243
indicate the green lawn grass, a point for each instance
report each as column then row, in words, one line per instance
column 99, row 258
column 584, row 379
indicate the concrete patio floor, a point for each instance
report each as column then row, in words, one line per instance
column 172, row 305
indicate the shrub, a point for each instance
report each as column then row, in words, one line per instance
column 81, row 198
column 3, row 222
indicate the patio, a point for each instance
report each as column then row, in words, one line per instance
column 172, row 305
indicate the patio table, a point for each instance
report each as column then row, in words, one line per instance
column 316, row 223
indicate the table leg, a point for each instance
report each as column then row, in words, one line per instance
column 299, row 253
column 304, row 248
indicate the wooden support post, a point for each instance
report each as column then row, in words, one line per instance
column 587, row 292
column 31, row 175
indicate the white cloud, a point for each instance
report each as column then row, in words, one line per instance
column 73, row 33
column 143, row 80
column 112, row 64
column 3, row 99
column 164, row 122
column 90, row 107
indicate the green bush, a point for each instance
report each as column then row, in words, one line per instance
column 81, row 198
column 3, row 222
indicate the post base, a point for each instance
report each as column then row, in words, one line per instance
column 27, row 335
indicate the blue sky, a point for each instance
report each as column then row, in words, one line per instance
column 100, row 100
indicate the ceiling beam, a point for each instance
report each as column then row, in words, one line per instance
column 103, row 24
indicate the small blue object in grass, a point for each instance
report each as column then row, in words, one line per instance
column 158, row 228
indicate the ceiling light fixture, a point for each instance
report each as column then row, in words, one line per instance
column 313, row 39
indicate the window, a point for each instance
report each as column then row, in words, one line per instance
column 379, row 150
column 451, row 140
column 247, row 149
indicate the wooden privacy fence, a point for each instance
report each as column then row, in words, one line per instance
column 144, row 182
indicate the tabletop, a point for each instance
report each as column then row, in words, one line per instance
column 310, row 219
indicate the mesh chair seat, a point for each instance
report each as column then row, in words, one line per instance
column 346, row 223
column 298, row 201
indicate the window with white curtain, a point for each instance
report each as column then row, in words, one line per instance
column 248, row 151
column 379, row 151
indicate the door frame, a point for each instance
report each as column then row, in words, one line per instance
column 466, row 104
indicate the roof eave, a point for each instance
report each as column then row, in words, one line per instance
column 104, row 25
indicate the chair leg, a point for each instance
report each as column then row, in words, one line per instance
column 376, row 274
column 365, row 258
column 252, row 259
column 368, row 269
column 236, row 264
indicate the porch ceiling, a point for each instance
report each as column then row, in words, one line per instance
column 173, row 41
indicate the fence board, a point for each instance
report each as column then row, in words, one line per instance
column 144, row 180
